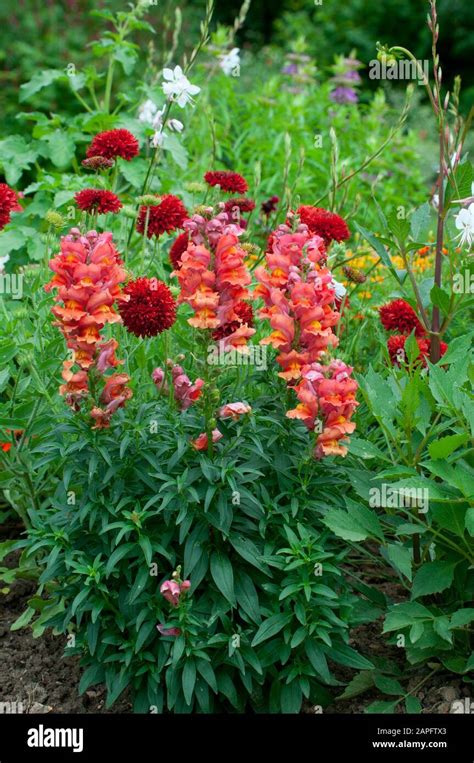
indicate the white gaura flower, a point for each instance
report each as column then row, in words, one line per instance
column 339, row 289
column 230, row 63
column 157, row 139
column 177, row 87
column 175, row 125
column 464, row 222
column 147, row 111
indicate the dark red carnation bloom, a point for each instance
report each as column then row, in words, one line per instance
column 151, row 308
column 166, row 216
column 94, row 200
column 243, row 204
column 270, row 205
column 230, row 182
column 8, row 203
column 244, row 313
column 326, row 224
column 113, row 143
column 97, row 163
column 179, row 246
column 398, row 315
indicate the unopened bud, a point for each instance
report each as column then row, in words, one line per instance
column 354, row 274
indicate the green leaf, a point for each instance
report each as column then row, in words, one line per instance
column 400, row 557
column 223, row 576
column 443, row 447
column 346, row 655
column 317, row 659
column 360, row 683
column 271, row 627
column 61, row 148
column 172, row 144
column 23, row 620
column 189, row 680
column 247, row 596
column 413, row 705
column 381, row 251
column 432, row 577
column 380, row 706
column 117, row 555
column 344, row 525
column 38, row 81
column 388, row 685
column 16, row 155
column 470, row 521
column 291, row 698
column 420, row 222
column 440, row 299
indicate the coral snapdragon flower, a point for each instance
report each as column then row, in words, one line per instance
column 87, row 276
column 299, row 297
column 201, row 442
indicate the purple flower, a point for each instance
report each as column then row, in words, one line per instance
column 343, row 95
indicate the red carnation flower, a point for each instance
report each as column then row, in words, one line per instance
column 151, row 308
column 230, row 182
column 398, row 315
column 8, row 203
column 179, row 246
column 113, row 143
column 166, row 216
column 326, row 224
column 270, row 205
column 243, row 204
column 244, row 313
column 92, row 200
column 396, row 348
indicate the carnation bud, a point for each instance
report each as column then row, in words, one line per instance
column 250, row 248
column 204, row 211
column 97, row 163
column 194, row 187
column 353, row 274
column 55, row 219
column 149, row 200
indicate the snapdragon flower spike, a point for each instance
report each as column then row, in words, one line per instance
column 213, row 278
column 326, row 394
column 87, row 276
column 299, row 301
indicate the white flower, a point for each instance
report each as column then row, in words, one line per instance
column 339, row 289
column 147, row 111
column 177, row 87
column 464, row 222
column 157, row 139
column 175, row 125
column 230, row 63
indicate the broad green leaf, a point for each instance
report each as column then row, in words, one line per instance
column 432, row 577
column 271, row 627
